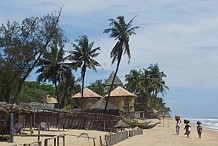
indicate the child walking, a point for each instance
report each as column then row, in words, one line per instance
column 187, row 128
column 199, row 129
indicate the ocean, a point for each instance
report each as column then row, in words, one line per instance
column 211, row 123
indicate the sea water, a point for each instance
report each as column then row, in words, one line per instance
column 211, row 123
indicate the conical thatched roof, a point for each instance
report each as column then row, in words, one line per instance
column 100, row 104
column 119, row 91
column 117, row 81
column 51, row 100
column 87, row 93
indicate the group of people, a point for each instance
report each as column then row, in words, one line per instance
column 187, row 127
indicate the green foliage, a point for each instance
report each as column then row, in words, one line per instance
column 83, row 56
column 99, row 87
column 148, row 84
column 22, row 45
column 120, row 31
column 35, row 92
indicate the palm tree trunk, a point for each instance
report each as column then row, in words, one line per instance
column 111, row 87
column 56, row 90
column 83, row 80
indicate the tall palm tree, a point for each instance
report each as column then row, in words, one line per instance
column 83, row 56
column 134, row 81
column 52, row 67
column 120, row 31
column 157, row 84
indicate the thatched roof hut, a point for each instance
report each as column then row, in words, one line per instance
column 100, row 104
column 117, row 81
column 88, row 99
column 51, row 100
column 122, row 98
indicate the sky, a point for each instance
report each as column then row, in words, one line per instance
column 180, row 35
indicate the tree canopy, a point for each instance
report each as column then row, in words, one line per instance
column 22, row 45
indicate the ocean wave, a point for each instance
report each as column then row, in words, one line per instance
column 211, row 123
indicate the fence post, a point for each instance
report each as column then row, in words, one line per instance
column 39, row 128
column 58, row 140
column 94, row 141
column 64, row 140
column 55, row 141
column 46, row 142
column 100, row 141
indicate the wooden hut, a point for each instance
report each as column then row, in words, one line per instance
column 122, row 98
column 51, row 101
column 88, row 99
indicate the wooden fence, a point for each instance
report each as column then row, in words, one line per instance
column 72, row 120
column 118, row 137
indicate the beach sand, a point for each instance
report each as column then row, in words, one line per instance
column 165, row 135
column 161, row 135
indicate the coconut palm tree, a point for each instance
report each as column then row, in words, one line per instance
column 83, row 56
column 120, row 31
column 157, row 84
column 156, row 76
column 52, row 67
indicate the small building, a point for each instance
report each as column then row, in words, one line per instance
column 117, row 81
column 51, row 101
column 88, row 99
column 122, row 98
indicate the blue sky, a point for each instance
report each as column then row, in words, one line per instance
column 180, row 35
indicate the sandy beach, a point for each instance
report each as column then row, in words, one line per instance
column 161, row 135
column 166, row 136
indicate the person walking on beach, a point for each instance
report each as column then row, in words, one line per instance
column 187, row 128
column 177, row 128
column 199, row 129
column 177, row 118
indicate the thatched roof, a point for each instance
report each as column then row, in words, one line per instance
column 87, row 93
column 119, row 91
column 11, row 107
column 117, row 81
column 51, row 100
column 39, row 107
column 100, row 104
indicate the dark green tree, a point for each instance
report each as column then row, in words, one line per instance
column 98, row 86
column 83, row 56
column 22, row 45
column 35, row 92
column 52, row 67
column 157, row 84
column 67, row 88
column 148, row 84
column 120, row 31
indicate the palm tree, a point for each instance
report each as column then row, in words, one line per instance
column 157, row 84
column 121, row 31
column 134, row 81
column 52, row 67
column 83, row 56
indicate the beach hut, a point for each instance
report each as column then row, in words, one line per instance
column 100, row 104
column 51, row 101
column 99, row 107
column 88, row 99
column 122, row 98
column 117, row 81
